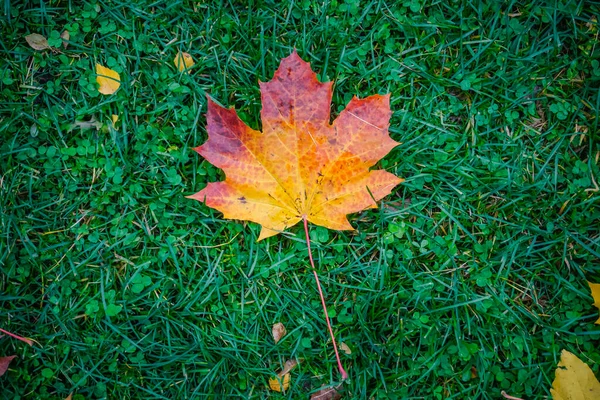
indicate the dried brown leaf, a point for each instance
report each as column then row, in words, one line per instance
column 289, row 365
column 326, row 394
column 474, row 373
column 37, row 41
column 65, row 37
column 344, row 347
column 4, row 363
column 279, row 331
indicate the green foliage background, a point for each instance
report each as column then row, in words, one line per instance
column 469, row 279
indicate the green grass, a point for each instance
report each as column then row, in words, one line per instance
column 469, row 280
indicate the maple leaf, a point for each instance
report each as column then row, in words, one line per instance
column 574, row 380
column 301, row 166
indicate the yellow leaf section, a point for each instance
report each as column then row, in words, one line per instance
column 109, row 80
column 183, row 61
column 280, row 384
column 595, row 288
column 574, row 380
column 301, row 164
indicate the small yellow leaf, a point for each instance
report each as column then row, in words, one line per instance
column 114, row 118
column 279, row 384
column 108, row 80
column 574, row 380
column 344, row 347
column 37, row 41
column 595, row 288
column 183, row 61
column 278, row 332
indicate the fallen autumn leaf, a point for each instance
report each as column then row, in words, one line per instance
column 109, row 80
column 326, row 394
column 289, row 365
column 300, row 166
column 183, row 61
column 4, row 363
column 37, row 41
column 344, row 347
column 65, row 36
column 278, row 332
column 282, row 381
column 574, row 380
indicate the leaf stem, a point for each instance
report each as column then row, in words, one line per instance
column 312, row 263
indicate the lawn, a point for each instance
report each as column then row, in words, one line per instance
column 468, row 280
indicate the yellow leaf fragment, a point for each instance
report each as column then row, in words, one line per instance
column 574, row 380
column 595, row 288
column 280, row 384
column 108, row 80
column 278, row 332
column 114, row 118
column 344, row 347
column 37, row 41
column 183, row 61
